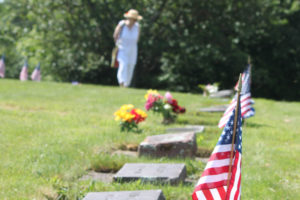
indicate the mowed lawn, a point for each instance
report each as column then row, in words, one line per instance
column 52, row 133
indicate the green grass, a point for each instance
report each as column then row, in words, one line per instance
column 52, row 133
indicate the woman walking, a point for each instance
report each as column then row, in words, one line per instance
column 126, row 36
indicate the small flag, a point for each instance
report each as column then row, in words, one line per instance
column 2, row 67
column 246, row 100
column 246, row 109
column 36, row 74
column 213, row 183
column 246, row 80
column 24, row 72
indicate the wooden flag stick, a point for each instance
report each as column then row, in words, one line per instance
column 234, row 129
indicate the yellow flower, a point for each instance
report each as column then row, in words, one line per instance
column 153, row 92
column 128, row 117
column 141, row 113
column 126, row 107
column 119, row 114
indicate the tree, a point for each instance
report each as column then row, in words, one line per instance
column 183, row 43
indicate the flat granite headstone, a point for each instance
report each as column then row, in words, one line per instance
column 126, row 195
column 188, row 128
column 222, row 94
column 220, row 108
column 98, row 176
column 169, row 145
column 151, row 172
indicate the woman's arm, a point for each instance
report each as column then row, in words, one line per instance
column 117, row 32
column 139, row 33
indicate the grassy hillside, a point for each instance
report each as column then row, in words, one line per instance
column 52, row 133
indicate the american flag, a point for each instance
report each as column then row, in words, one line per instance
column 36, row 74
column 2, row 67
column 246, row 100
column 213, row 184
column 24, row 72
column 246, row 80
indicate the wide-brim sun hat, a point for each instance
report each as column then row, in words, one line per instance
column 133, row 14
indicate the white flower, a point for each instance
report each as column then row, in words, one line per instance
column 167, row 106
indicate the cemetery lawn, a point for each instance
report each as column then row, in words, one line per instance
column 53, row 133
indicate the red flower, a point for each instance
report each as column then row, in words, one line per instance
column 176, row 107
column 137, row 118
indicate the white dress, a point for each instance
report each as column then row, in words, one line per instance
column 127, row 54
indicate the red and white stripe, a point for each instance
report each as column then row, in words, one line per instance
column 237, row 83
column 246, row 102
column 213, row 182
column 234, row 189
column 2, row 68
column 36, row 75
column 24, row 74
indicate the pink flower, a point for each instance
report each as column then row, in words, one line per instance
column 168, row 97
column 150, row 102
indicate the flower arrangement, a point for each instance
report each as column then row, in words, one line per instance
column 165, row 105
column 129, row 117
column 209, row 88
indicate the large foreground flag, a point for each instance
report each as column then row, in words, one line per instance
column 2, row 67
column 246, row 101
column 36, row 74
column 215, row 184
column 24, row 72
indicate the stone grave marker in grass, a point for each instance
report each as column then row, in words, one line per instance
column 222, row 94
column 98, row 176
column 126, row 195
column 219, row 108
column 151, row 172
column 169, row 145
column 187, row 128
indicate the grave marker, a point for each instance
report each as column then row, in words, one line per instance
column 126, row 195
column 188, row 128
column 169, row 145
column 152, row 172
column 222, row 94
column 219, row 108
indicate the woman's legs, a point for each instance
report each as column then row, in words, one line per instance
column 130, row 70
column 127, row 61
column 122, row 73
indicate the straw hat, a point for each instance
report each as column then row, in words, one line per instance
column 134, row 14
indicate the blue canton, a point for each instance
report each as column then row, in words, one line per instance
column 246, row 81
column 226, row 136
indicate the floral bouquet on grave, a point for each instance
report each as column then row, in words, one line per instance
column 209, row 88
column 165, row 105
column 129, row 117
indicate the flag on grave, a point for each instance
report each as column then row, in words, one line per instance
column 36, row 74
column 246, row 101
column 2, row 67
column 221, row 178
column 24, row 72
column 246, row 80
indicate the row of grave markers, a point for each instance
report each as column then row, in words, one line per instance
column 178, row 142
column 183, row 144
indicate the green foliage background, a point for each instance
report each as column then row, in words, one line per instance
column 183, row 43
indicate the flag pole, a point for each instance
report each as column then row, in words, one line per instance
column 249, row 60
column 234, row 129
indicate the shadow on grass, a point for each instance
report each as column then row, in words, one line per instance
column 209, row 119
column 255, row 125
